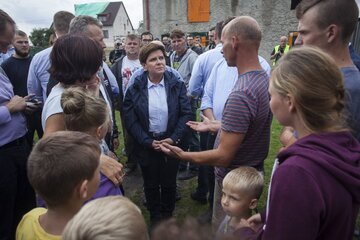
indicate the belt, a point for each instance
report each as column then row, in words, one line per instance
column 157, row 135
column 17, row 142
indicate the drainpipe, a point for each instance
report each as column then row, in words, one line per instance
column 147, row 13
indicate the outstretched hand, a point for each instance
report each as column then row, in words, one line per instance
column 206, row 125
column 170, row 150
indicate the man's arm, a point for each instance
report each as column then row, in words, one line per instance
column 220, row 157
column 196, row 80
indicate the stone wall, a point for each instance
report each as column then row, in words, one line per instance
column 274, row 16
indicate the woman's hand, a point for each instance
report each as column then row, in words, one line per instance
column 156, row 145
column 111, row 169
column 172, row 151
column 168, row 140
column 255, row 221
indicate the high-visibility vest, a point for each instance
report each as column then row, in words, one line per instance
column 277, row 50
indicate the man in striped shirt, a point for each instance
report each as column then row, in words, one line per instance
column 244, row 136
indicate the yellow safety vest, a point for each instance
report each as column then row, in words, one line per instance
column 277, row 50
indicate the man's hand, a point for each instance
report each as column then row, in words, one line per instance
column 172, row 151
column 111, row 169
column 156, row 145
column 206, row 125
column 16, row 104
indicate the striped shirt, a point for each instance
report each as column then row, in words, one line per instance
column 247, row 112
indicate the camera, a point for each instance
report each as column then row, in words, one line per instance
column 118, row 44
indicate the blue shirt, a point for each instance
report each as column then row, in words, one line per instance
column 12, row 125
column 220, row 83
column 38, row 77
column 218, row 87
column 141, row 70
column 352, row 86
column 202, row 69
column 158, row 108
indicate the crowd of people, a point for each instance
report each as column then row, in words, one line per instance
column 68, row 185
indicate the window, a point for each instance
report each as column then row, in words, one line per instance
column 106, row 33
column 198, row 10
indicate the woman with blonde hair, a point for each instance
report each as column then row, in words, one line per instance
column 315, row 187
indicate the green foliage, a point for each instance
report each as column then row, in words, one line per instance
column 40, row 37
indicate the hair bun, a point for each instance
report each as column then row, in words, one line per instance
column 73, row 100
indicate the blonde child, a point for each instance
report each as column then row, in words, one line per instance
column 242, row 188
column 108, row 218
column 85, row 112
column 63, row 168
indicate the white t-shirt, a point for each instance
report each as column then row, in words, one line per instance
column 127, row 69
column 53, row 105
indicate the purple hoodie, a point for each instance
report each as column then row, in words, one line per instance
column 315, row 191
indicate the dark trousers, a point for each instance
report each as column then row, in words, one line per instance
column 34, row 124
column 206, row 173
column 192, row 138
column 16, row 195
column 159, row 185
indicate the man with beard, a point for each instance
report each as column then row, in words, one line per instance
column 16, row 68
column 123, row 68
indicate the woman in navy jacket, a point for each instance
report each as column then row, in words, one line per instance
column 156, row 110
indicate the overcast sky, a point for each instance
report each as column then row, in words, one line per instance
column 29, row 14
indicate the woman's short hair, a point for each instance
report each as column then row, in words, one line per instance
column 75, row 58
column 314, row 80
column 82, row 110
column 148, row 49
column 111, row 218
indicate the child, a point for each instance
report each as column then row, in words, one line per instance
column 107, row 218
column 242, row 189
column 87, row 113
column 63, row 168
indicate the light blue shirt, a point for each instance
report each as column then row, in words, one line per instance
column 219, row 85
column 141, row 70
column 12, row 125
column 38, row 76
column 202, row 69
column 158, row 108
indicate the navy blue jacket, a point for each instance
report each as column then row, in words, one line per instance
column 136, row 110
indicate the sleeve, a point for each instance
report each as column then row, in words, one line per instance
column 181, row 128
column 207, row 99
column 273, row 52
column 5, row 115
column 33, row 83
column 238, row 112
column 177, row 74
column 112, row 79
column 196, row 80
column 295, row 206
column 132, row 122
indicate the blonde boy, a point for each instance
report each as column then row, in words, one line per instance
column 63, row 168
column 113, row 217
column 242, row 188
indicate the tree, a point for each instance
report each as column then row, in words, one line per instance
column 40, row 37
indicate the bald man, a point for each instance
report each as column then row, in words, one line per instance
column 245, row 126
column 279, row 50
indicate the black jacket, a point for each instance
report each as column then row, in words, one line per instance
column 136, row 110
column 116, row 70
